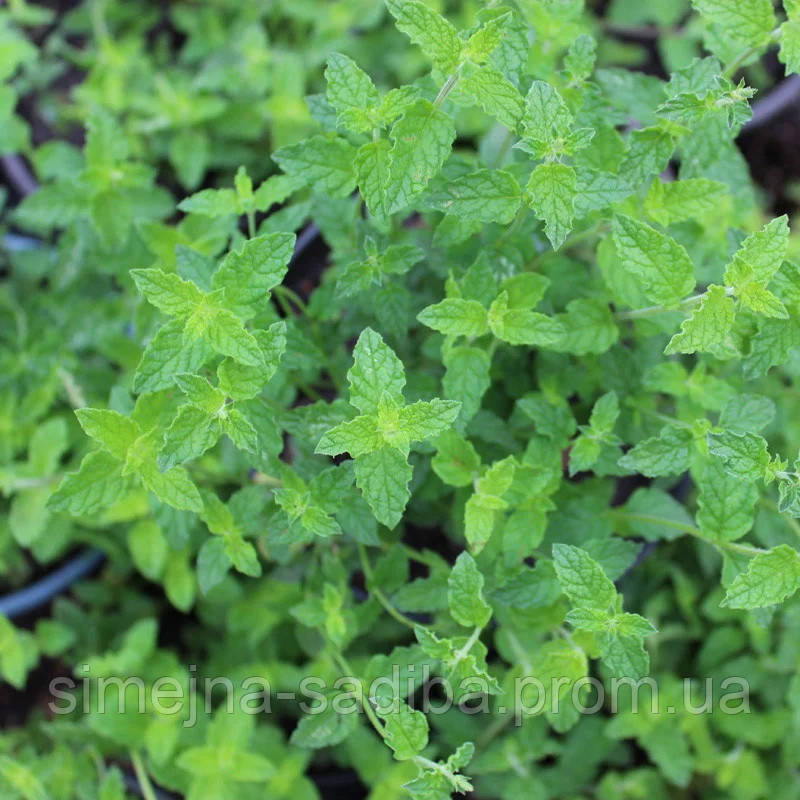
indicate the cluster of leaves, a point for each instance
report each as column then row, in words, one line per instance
column 533, row 420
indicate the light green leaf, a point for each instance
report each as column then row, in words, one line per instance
column 583, row 579
column 466, row 379
column 351, row 92
column 97, row 484
column 373, row 170
column 383, row 477
column 662, row 264
column 113, row 431
column 167, row 291
column 192, row 432
column 226, row 334
column 438, row 39
column 421, row 141
column 667, row 203
column 376, row 372
column 789, row 53
column 489, row 195
column 455, row 316
column 456, row 461
column 743, row 455
column 745, row 23
column 522, row 327
column 248, row 274
column 550, row 193
column 489, row 89
column 168, row 354
column 357, row 437
column 405, row 731
column 709, row 325
column 465, row 593
column 323, row 162
column 769, row 579
column 665, row 454
column 726, row 504
column 426, row 419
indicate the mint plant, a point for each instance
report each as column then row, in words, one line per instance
column 424, row 376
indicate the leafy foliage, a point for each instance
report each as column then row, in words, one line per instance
column 522, row 413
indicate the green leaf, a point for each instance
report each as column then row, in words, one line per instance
column 376, row 372
column 456, row 461
column 383, row 477
column 759, row 256
column 546, row 121
column 425, row 419
column 466, row 379
column 522, row 327
column 789, row 53
column 743, row 455
column 745, row 23
column 324, row 728
column 169, row 353
column 357, row 437
column 582, row 578
column 489, row 195
column 709, row 325
column 405, row 731
column 373, row 164
column 604, row 413
column 550, row 193
column 323, row 162
column 580, row 58
column 172, row 487
column 98, row 483
column 192, row 432
column 769, row 579
column 726, row 504
column 211, row 203
column 488, row 88
column 351, row 92
column 421, row 141
column 667, row 203
column 438, row 39
column 665, row 454
column 113, row 431
column 465, row 593
column 226, row 334
column 167, row 291
column 247, row 274
column 455, row 316
column 662, row 265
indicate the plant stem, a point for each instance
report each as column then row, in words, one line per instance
column 251, row 223
column 148, row 792
column 685, row 528
column 652, row 311
column 346, row 669
column 751, row 51
column 451, row 81
column 378, row 594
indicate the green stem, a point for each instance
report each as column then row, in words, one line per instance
column 346, row 669
column 751, row 51
column 148, row 792
column 378, row 594
column 290, row 294
column 74, row 392
column 429, row 559
column 684, row 528
column 651, row 311
column 251, row 223
column 451, row 81
column 772, row 505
